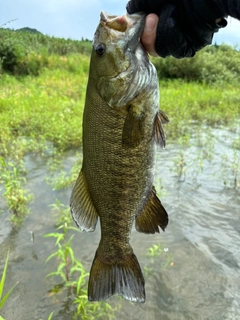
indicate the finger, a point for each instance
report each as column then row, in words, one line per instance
column 149, row 34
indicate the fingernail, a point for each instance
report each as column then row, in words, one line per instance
column 150, row 25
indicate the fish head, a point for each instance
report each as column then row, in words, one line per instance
column 115, row 42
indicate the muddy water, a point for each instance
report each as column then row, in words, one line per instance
column 197, row 273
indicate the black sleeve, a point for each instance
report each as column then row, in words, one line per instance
column 229, row 7
column 186, row 26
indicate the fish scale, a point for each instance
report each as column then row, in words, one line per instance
column 121, row 127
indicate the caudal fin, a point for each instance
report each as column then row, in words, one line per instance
column 124, row 278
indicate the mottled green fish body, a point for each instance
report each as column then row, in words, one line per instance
column 121, row 126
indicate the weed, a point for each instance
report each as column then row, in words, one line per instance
column 72, row 272
column 155, row 252
column 49, row 317
column 231, row 169
column 62, row 213
column 16, row 196
column 64, row 180
column 3, row 299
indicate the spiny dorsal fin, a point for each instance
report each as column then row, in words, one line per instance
column 158, row 133
column 153, row 216
column 82, row 208
column 133, row 129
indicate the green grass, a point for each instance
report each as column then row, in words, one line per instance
column 4, row 298
column 43, row 114
column 45, row 108
column 48, row 108
column 188, row 102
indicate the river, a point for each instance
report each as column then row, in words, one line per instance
column 195, row 272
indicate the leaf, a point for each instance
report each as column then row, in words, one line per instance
column 52, row 255
column 70, row 250
column 2, row 282
column 6, row 296
column 50, row 316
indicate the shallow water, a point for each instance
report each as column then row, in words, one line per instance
column 197, row 274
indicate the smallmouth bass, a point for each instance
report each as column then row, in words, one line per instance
column 122, row 125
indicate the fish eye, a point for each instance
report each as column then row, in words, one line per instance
column 100, row 49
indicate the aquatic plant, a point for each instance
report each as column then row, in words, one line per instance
column 63, row 179
column 4, row 298
column 49, row 317
column 160, row 256
column 231, row 168
column 71, row 270
column 14, row 193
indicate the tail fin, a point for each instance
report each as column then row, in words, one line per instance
column 124, row 278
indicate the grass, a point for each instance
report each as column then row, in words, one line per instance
column 48, row 108
column 185, row 103
column 4, row 298
column 43, row 114
column 44, row 108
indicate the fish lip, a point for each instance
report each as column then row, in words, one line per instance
column 134, row 22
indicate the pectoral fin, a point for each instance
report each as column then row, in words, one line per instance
column 153, row 216
column 133, row 129
column 82, row 208
column 158, row 132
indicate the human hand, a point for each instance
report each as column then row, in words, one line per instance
column 149, row 34
column 177, row 28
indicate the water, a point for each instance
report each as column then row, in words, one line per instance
column 196, row 275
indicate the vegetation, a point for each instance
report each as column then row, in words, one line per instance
column 72, row 272
column 4, row 298
column 42, row 92
column 214, row 64
column 24, row 53
column 16, row 196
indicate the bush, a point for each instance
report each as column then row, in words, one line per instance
column 11, row 53
column 23, row 53
column 213, row 64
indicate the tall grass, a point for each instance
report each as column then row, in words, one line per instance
column 44, row 108
column 194, row 102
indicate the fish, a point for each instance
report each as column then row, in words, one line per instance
column 122, row 126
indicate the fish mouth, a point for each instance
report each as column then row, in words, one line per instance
column 132, row 25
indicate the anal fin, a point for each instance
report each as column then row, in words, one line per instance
column 82, row 208
column 153, row 215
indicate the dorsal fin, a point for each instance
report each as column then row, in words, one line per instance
column 153, row 215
